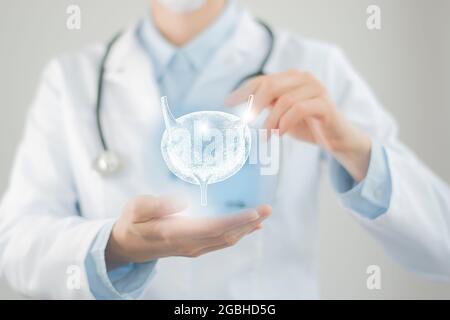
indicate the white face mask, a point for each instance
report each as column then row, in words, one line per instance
column 183, row 6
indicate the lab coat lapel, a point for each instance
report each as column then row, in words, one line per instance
column 129, row 67
column 244, row 49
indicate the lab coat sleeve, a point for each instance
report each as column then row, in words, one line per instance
column 126, row 282
column 415, row 229
column 370, row 197
column 43, row 239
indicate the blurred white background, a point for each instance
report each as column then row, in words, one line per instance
column 406, row 63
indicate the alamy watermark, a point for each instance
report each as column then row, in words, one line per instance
column 74, row 277
column 373, row 281
column 73, row 21
column 207, row 147
column 374, row 17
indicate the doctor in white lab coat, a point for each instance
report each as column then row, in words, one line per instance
column 68, row 232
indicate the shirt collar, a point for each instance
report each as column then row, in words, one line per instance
column 198, row 51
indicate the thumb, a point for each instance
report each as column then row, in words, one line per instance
column 146, row 207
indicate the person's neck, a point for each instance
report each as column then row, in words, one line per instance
column 179, row 29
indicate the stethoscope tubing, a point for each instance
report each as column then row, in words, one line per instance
column 98, row 103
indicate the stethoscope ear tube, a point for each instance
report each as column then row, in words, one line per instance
column 266, row 59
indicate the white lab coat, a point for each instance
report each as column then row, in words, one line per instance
column 56, row 203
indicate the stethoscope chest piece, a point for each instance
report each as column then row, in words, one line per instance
column 107, row 163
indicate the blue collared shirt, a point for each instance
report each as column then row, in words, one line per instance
column 175, row 69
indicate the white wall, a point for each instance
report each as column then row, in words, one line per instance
column 405, row 63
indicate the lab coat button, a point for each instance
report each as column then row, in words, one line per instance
column 235, row 204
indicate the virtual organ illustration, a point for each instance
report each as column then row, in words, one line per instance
column 205, row 147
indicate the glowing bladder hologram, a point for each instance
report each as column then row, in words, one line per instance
column 205, row 147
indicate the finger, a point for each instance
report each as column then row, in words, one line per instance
column 212, row 248
column 228, row 224
column 241, row 94
column 276, row 86
column 238, row 232
column 314, row 126
column 216, row 227
column 278, row 82
column 200, row 229
column 146, row 207
column 263, row 211
column 224, row 245
column 266, row 89
column 241, row 232
column 286, row 101
column 259, row 226
column 208, row 227
column 299, row 112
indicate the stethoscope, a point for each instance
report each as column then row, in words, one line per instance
column 108, row 162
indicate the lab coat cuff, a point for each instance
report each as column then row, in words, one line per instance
column 371, row 197
column 126, row 282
